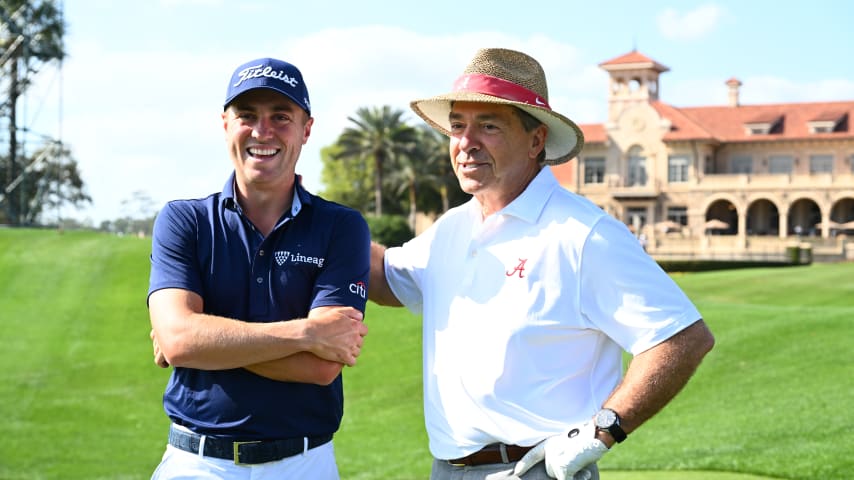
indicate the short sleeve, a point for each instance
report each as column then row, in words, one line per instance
column 626, row 294
column 405, row 267
column 174, row 262
column 344, row 280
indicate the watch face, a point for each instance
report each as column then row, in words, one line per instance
column 605, row 418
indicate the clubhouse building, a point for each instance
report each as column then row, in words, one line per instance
column 741, row 182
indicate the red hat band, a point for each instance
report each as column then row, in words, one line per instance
column 497, row 87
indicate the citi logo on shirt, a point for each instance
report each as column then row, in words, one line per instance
column 283, row 256
column 359, row 288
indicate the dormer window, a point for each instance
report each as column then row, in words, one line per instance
column 764, row 124
column 827, row 122
column 758, row 128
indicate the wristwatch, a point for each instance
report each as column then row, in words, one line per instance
column 608, row 420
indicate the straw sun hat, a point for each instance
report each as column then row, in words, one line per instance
column 508, row 77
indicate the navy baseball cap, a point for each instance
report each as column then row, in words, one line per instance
column 272, row 74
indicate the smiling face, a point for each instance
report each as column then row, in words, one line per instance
column 493, row 156
column 265, row 132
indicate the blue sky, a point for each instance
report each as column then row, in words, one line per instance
column 139, row 96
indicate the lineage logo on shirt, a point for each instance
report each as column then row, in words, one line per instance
column 283, row 257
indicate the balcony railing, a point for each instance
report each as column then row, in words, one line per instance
column 767, row 180
column 620, row 188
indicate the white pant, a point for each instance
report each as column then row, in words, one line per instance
column 317, row 463
column 499, row 471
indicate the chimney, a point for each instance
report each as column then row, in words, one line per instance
column 733, row 84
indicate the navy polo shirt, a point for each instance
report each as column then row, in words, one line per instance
column 317, row 255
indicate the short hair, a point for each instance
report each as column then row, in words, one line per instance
column 529, row 123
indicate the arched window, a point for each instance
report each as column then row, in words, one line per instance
column 636, row 174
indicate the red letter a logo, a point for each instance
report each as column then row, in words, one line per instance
column 519, row 268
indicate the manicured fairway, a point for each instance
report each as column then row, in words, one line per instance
column 80, row 396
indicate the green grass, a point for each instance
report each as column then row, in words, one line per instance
column 767, row 399
column 77, row 385
column 81, row 398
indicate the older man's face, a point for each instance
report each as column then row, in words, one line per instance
column 491, row 152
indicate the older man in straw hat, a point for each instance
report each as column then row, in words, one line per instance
column 530, row 293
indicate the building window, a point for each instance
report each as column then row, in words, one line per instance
column 827, row 122
column 677, row 169
column 636, row 217
column 678, row 215
column 594, row 170
column 708, row 165
column 764, row 124
column 821, row 164
column 742, row 164
column 637, row 171
column 779, row 164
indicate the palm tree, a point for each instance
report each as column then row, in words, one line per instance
column 426, row 165
column 379, row 134
column 435, row 147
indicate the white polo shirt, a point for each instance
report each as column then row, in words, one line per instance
column 526, row 314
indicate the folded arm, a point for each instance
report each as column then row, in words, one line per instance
column 303, row 367
column 316, row 346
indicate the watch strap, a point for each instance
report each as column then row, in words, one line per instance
column 617, row 432
column 615, row 429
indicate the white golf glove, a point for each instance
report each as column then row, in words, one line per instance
column 566, row 454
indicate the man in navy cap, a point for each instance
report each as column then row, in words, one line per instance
column 256, row 299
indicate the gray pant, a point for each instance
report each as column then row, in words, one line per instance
column 442, row 470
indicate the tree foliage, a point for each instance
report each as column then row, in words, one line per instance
column 31, row 35
column 425, row 168
column 40, row 24
column 389, row 230
column 417, row 174
column 378, row 135
column 348, row 181
column 49, row 181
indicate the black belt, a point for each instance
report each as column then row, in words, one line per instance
column 494, row 453
column 244, row 453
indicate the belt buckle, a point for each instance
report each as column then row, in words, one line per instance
column 236, row 447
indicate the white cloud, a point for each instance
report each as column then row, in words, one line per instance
column 690, row 25
column 764, row 89
column 152, row 123
column 144, row 121
column 148, row 120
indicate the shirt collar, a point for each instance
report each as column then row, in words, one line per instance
column 530, row 204
column 301, row 196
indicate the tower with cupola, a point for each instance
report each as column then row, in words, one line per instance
column 633, row 80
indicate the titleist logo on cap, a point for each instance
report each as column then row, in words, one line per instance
column 269, row 73
column 256, row 71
